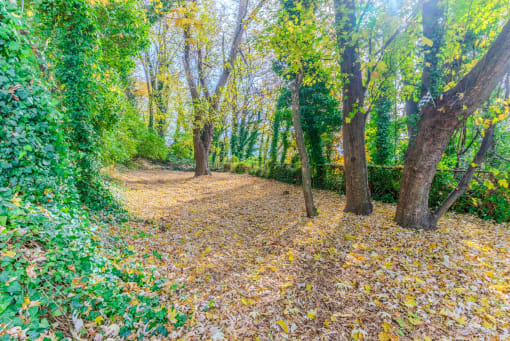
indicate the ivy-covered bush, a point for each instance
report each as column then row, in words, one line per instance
column 34, row 160
column 57, row 277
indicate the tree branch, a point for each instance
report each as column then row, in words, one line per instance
column 476, row 87
column 466, row 178
column 187, row 68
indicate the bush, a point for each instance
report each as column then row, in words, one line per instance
column 384, row 183
column 153, row 147
column 121, row 142
column 34, row 159
column 182, row 148
column 290, row 174
column 54, row 265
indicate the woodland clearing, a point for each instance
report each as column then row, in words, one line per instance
column 252, row 266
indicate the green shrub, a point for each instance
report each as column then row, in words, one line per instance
column 53, row 264
column 240, row 168
column 121, row 142
column 118, row 146
column 254, row 171
column 182, row 148
column 384, row 183
column 153, row 147
column 34, row 159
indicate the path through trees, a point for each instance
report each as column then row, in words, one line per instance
column 253, row 265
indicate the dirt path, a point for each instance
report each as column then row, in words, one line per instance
column 254, row 266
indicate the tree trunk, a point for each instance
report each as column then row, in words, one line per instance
column 202, row 139
column 437, row 125
column 357, row 191
column 311, row 211
column 420, row 167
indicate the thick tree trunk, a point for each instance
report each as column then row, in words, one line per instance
column 311, row 211
column 436, row 126
column 357, row 191
column 421, row 164
column 202, row 139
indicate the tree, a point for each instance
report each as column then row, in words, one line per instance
column 306, row 178
column 357, row 192
column 437, row 123
column 319, row 117
column 296, row 27
column 206, row 102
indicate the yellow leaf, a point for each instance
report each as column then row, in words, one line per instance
column 309, row 287
column 99, row 320
column 311, row 314
column 291, row 256
column 386, row 327
column 384, row 336
column 15, row 200
column 367, row 289
column 283, row 325
column 462, row 320
column 9, row 253
column 172, row 314
column 487, row 325
column 503, row 183
column 410, row 301
column 247, row 301
column 427, row 41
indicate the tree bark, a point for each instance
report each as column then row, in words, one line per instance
column 433, row 17
column 436, row 126
column 202, row 139
column 295, row 87
column 145, row 63
column 357, row 191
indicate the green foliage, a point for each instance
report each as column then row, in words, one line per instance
column 131, row 138
column 381, row 148
column 152, row 146
column 74, row 51
column 53, row 263
column 182, row 146
column 319, row 117
column 34, row 161
column 57, row 266
column 122, row 33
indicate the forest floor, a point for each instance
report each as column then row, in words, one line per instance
column 254, row 267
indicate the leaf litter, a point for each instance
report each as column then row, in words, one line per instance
column 253, row 267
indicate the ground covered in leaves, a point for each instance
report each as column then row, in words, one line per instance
column 250, row 265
